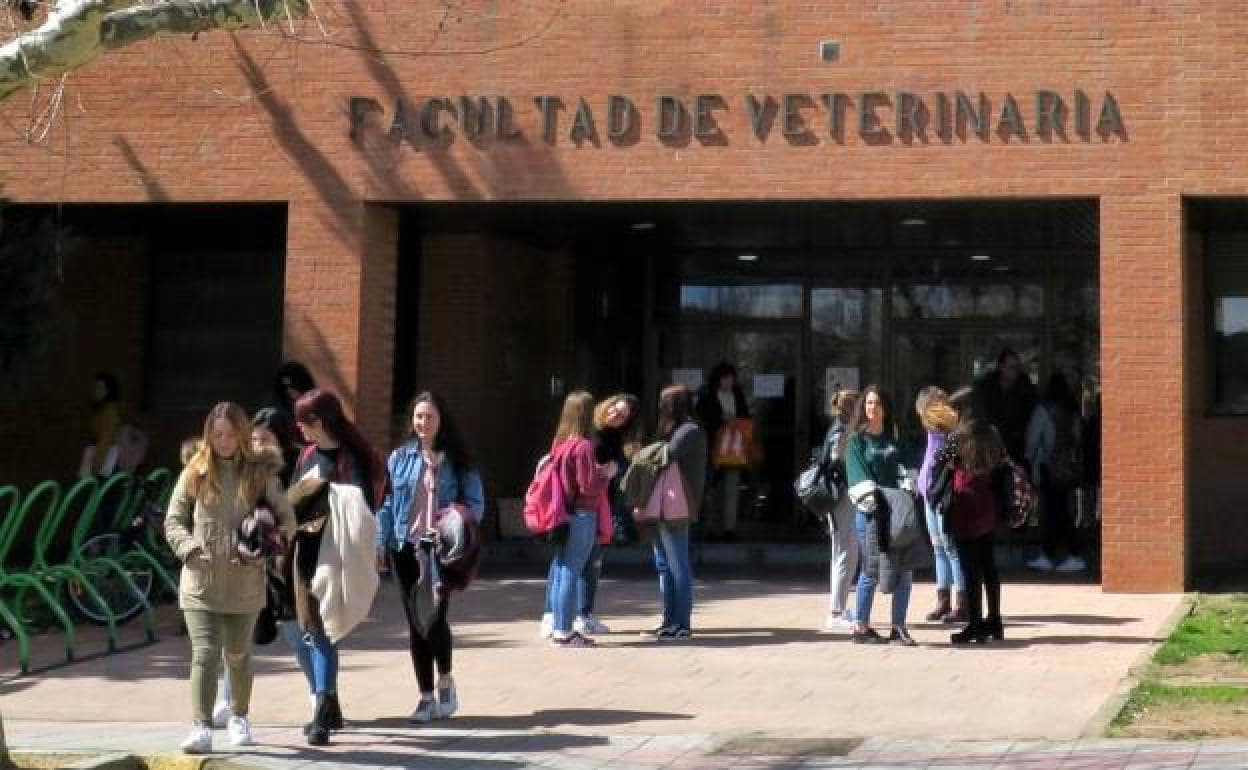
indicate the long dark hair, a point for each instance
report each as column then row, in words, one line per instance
column 449, row 440
column 979, row 446
column 858, row 421
column 675, row 409
column 283, row 429
column 718, row 372
column 322, row 405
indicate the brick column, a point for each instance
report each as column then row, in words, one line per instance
column 339, row 308
column 1143, row 361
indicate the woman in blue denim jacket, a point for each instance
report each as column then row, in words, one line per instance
column 430, row 472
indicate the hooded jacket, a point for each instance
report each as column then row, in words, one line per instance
column 203, row 536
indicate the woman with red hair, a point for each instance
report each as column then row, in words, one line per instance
column 338, row 453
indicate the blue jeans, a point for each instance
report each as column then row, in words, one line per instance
column 318, row 661
column 866, row 584
column 570, row 559
column 671, row 561
column 586, row 586
column 945, row 552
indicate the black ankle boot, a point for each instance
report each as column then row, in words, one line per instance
column 318, row 729
column 995, row 629
column 975, row 633
column 335, row 712
column 942, row 607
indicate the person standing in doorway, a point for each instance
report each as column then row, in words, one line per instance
column 720, row 401
column 843, row 562
column 939, row 420
column 430, row 473
column 873, row 462
column 1007, row 396
column 220, row 595
column 1055, row 454
column 337, row 453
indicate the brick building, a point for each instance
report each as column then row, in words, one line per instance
column 503, row 201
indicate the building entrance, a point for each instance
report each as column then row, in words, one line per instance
column 801, row 297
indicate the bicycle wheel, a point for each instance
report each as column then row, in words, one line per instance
column 121, row 601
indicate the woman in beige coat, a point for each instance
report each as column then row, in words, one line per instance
column 221, row 593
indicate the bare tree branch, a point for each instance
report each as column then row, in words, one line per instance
column 76, row 31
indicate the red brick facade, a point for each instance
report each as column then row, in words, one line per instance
column 259, row 118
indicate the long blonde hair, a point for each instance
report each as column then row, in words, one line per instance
column 935, row 411
column 577, row 418
column 204, row 482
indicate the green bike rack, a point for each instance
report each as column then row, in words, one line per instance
column 77, row 565
column 120, row 561
column 9, row 503
column 32, row 579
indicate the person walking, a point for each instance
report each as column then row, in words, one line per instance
column 219, row 593
column 686, row 447
column 1055, row 454
column 843, row 535
column 974, row 453
column 616, row 427
column 585, row 482
column 939, row 420
column 719, row 402
column 337, row 453
column 429, row 474
column 873, row 465
column 274, row 433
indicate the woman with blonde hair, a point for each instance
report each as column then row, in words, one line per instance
column 220, row 593
column 585, row 482
column 939, row 420
column 616, row 436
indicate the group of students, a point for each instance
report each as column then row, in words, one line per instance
column 987, row 448
column 303, row 469
column 605, row 472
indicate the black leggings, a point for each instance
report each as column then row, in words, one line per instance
column 436, row 645
column 979, row 567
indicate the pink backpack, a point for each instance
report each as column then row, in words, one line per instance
column 545, row 505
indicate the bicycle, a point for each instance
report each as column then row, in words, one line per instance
column 134, row 545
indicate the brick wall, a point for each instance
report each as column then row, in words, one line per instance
column 254, row 117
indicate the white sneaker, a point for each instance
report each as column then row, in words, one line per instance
column 240, row 731
column 425, row 711
column 448, row 701
column 1072, row 564
column 221, row 714
column 1041, row 562
column 836, row 621
column 547, row 627
column 590, row 625
column 198, row 742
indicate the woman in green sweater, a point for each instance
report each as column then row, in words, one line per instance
column 873, row 459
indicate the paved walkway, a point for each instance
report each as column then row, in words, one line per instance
column 757, row 675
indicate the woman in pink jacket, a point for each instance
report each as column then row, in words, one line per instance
column 585, row 484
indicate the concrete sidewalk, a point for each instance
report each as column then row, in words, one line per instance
column 758, row 664
column 454, row 748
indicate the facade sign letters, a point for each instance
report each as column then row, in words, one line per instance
column 877, row 117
